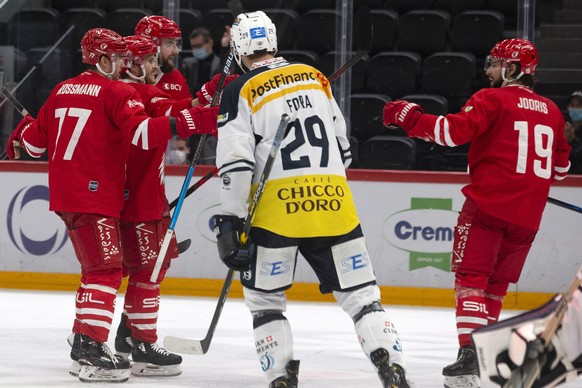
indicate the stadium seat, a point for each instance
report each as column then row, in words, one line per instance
column 476, row 31
column 63, row 5
column 316, row 30
column 84, row 19
column 215, row 20
column 403, row 6
column 302, row 6
column 34, row 27
column 327, row 66
column 455, row 7
column 430, row 103
column 286, row 22
column 366, row 114
column 124, row 20
column 423, row 31
column 508, row 8
column 388, row 153
column 308, row 57
column 112, row 5
column 205, row 6
column 393, row 73
column 448, row 74
column 384, row 27
column 189, row 19
column 261, row 5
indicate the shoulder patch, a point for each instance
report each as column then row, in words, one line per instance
column 468, row 108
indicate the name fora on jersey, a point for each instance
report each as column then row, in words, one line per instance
column 296, row 103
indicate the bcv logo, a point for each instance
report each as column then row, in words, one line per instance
column 24, row 229
column 355, row 262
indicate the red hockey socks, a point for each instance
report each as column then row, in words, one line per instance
column 471, row 312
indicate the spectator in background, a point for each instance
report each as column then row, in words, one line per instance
column 204, row 63
column 198, row 69
column 168, row 36
column 573, row 131
column 179, row 151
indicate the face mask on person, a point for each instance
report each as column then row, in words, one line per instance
column 575, row 114
column 177, row 157
column 200, row 53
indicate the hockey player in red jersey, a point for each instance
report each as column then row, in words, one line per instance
column 517, row 150
column 168, row 36
column 145, row 219
column 86, row 127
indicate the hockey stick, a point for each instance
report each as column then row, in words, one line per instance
column 565, row 205
column 195, row 186
column 188, row 178
column 16, row 104
column 525, row 376
column 190, row 346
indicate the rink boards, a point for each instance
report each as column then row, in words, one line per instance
column 408, row 219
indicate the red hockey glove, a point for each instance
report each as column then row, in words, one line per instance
column 206, row 93
column 15, row 140
column 402, row 114
column 197, row 121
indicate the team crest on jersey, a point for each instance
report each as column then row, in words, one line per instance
column 93, row 185
column 468, row 108
column 226, row 180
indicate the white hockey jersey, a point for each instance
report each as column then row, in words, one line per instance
column 307, row 193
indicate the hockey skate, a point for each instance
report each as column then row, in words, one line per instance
column 74, row 341
column 463, row 373
column 149, row 359
column 392, row 376
column 289, row 381
column 99, row 364
column 123, row 341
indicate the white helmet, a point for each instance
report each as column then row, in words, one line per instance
column 252, row 32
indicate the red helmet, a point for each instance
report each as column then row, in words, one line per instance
column 515, row 50
column 158, row 27
column 139, row 47
column 101, row 41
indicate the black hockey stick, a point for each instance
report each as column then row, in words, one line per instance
column 16, row 104
column 526, row 375
column 195, row 186
column 192, row 346
column 565, row 205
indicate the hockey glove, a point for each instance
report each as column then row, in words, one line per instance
column 401, row 114
column 197, row 121
column 228, row 229
column 15, row 140
column 206, row 93
column 526, row 347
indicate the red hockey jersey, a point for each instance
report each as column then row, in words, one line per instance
column 86, row 127
column 517, row 149
column 145, row 191
column 175, row 85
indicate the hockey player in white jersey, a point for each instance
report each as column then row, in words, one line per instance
column 504, row 348
column 306, row 206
